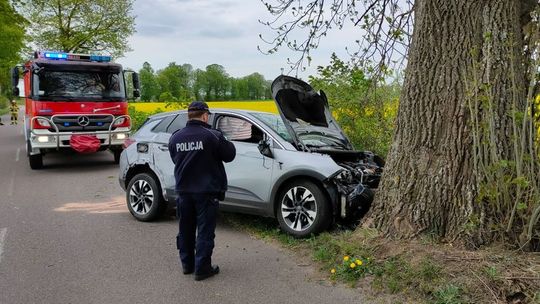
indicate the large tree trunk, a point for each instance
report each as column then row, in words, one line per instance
column 429, row 184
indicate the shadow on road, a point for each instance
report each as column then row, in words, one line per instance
column 72, row 161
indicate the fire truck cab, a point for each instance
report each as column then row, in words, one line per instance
column 71, row 100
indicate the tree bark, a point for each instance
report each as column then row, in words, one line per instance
column 430, row 183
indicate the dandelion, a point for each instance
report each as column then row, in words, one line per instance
column 358, row 262
column 346, row 258
column 352, row 265
column 332, row 271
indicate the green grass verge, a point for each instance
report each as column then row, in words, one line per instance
column 342, row 257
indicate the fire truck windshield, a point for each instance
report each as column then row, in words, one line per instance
column 78, row 85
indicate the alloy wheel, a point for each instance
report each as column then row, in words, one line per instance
column 298, row 208
column 141, row 197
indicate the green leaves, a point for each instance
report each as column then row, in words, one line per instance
column 365, row 112
column 80, row 26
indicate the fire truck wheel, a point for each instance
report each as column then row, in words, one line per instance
column 116, row 154
column 36, row 161
column 144, row 198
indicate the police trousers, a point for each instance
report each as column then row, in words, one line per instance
column 196, row 233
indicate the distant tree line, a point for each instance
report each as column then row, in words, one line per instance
column 181, row 83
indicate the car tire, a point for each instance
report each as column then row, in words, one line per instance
column 36, row 160
column 303, row 209
column 144, row 198
column 116, row 154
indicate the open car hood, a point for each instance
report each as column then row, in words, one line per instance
column 307, row 116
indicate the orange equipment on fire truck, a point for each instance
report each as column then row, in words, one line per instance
column 74, row 102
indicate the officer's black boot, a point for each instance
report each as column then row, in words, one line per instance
column 205, row 275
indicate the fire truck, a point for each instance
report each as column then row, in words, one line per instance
column 74, row 102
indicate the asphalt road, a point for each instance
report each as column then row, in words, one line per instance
column 66, row 236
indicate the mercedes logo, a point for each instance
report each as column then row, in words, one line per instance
column 83, row 121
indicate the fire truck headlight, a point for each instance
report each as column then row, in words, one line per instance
column 43, row 122
column 119, row 121
column 43, row 139
column 120, row 136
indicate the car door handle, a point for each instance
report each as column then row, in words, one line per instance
column 163, row 147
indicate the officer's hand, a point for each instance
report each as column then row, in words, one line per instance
column 222, row 134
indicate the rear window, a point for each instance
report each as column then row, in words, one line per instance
column 178, row 123
column 162, row 126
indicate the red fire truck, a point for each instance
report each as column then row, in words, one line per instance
column 74, row 102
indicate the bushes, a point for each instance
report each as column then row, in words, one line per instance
column 4, row 104
column 365, row 110
column 138, row 117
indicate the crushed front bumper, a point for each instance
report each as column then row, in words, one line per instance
column 354, row 205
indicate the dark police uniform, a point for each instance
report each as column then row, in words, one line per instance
column 198, row 153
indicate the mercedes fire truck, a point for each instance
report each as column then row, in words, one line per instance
column 74, row 102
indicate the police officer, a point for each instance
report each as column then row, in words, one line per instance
column 198, row 153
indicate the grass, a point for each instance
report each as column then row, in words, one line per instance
column 335, row 251
column 426, row 271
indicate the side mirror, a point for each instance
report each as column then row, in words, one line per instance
column 136, row 85
column 264, row 148
column 15, row 81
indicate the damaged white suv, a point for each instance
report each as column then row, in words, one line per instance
column 297, row 166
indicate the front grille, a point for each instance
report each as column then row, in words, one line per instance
column 70, row 123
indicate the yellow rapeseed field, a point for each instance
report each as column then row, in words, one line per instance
column 263, row 106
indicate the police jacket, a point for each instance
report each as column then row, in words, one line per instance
column 198, row 153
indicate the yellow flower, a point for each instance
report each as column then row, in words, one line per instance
column 346, row 258
column 358, row 262
column 332, row 271
column 352, row 265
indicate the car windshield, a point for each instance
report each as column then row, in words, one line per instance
column 275, row 123
column 79, row 85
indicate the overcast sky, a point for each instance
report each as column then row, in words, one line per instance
column 226, row 32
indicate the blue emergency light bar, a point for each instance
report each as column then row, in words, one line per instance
column 73, row 57
column 53, row 55
column 100, row 58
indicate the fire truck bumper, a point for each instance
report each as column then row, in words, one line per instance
column 44, row 139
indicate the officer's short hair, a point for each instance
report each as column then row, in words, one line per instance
column 195, row 114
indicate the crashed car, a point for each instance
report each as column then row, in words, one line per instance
column 297, row 166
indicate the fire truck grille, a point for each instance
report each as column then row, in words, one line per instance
column 74, row 123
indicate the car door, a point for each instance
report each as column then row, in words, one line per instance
column 249, row 175
column 164, row 166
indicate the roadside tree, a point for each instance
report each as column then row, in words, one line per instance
column 463, row 123
column 12, row 42
column 149, row 85
column 80, row 26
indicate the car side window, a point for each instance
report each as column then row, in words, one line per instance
column 162, row 126
column 238, row 129
column 178, row 123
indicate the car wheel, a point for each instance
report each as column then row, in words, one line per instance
column 143, row 196
column 303, row 209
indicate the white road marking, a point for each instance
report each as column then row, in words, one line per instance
column 17, row 155
column 3, row 233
